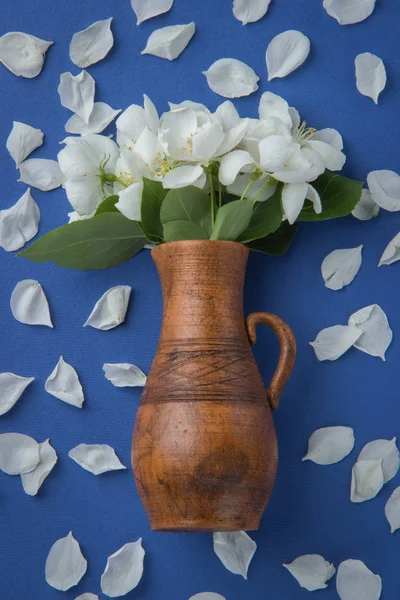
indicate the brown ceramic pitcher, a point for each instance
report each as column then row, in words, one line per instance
column 204, row 448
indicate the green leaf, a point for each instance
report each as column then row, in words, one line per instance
column 277, row 242
column 108, row 205
column 339, row 196
column 152, row 199
column 267, row 217
column 188, row 204
column 232, row 219
column 175, row 231
column 98, row 243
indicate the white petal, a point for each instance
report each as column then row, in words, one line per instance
column 41, row 173
column 169, row 42
column 377, row 335
column 65, row 564
column 370, row 75
column 231, row 78
column 355, row 580
column 392, row 510
column 274, row 152
column 314, row 197
column 182, row 176
column 235, row 549
column 249, row 11
column 23, row 54
column 366, row 208
column 130, row 200
column 366, row 480
column 239, row 185
column 101, row 116
column 286, row 52
column 124, row 570
column 150, row 8
column 64, row 384
column 110, row 310
column 11, row 388
column 330, row 136
column 330, row 445
column 33, row 480
column 312, row 571
column 74, row 216
column 19, row 453
column 332, row 158
column 77, row 93
column 207, row 596
column 347, row 12
column 392, row 252
column 23, row 140
column 87, row 596
column 29, row 303
column 231, row 164
column 271, row 105
column 293, row 196
column 387, row 452
column 92, row 44
column 340, row 267
column 385, row 189
column 124, row 375
column 334, row 341
column 20, row 223
column 96, row 458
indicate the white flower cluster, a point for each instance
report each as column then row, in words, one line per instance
column 189, row 145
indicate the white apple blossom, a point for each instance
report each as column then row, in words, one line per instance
column 88, row 164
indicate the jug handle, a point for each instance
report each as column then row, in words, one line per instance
column 287, row 356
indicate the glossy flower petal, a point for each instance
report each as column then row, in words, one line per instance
column 77, row 93
column 249, row 11
column 65, row 564
column 340, row 267
column 92, row 44
column 29, row 303
column 23, row 140
column 370, row 75
column 150, row 8
column 312, row 571
column 231, row 78
column 169, row 42
column 23, row 54
column 63, row 383
column 286, row 52
column 330, row 445
column 20, row 223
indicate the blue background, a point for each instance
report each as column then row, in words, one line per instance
column 310, row 510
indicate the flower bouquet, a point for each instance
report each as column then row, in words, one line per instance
column 201, row 189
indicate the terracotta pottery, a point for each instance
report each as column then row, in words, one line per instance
column 204, row 448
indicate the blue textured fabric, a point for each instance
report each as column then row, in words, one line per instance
column 310, row 510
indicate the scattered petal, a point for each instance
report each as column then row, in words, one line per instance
column 23, row 54
column 312, row 571
column 150, row 8
column 87, row 596
column 355, row 580
column 377, row 335
column 330, row 445
column 249, row 11
column 235, row 549
column 19, row 453
column 385, row 189
column 65, row 564
column 334, row 341
column 340, row 267
column 169, row 42
column 231, row 78
column 370, row 75
column 96, row 458
column 41, row 173
column 23, row 140
column 124, row 375
column 92, row 44
column 29, row 304
column 286, row 53
column 347, row 12
column 392, row 510
column 110, row 310
column 64, row 384
column 366, row 208
column 392, row 252
column 366, row 480
column 77, row 93
column 20, row 223
column 101, row 116
column 124, row 570
column 385, row 451
column 207, row 596
column 11, row 389
column 33, row 480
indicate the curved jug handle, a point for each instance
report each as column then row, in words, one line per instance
column 288, row 352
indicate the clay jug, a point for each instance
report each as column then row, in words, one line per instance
column 204, row 450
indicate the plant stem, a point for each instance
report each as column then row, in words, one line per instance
column 248, row 186
column 271, row 181
column 219, row 194
column 211, row 183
